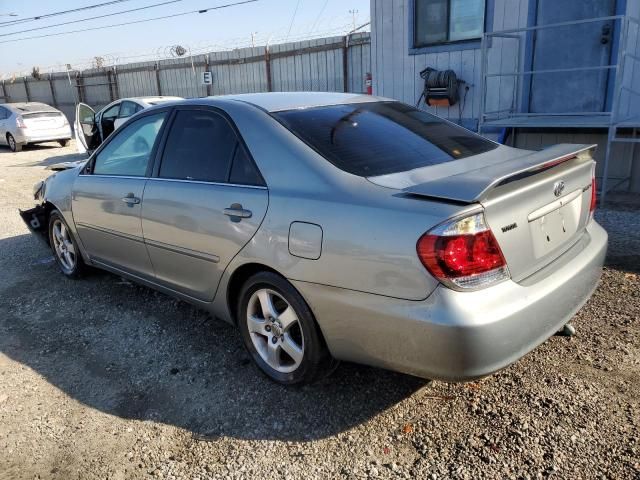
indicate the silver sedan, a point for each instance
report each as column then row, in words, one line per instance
column 337, row 227
column 32, row 122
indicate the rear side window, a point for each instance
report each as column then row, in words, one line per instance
column 127, row 109
column 4, row 113
column 243, row 170
column 200, row 146
column 380, row 138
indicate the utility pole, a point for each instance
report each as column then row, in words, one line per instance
column 354, row 14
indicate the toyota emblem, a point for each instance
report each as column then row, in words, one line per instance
column 558, row 188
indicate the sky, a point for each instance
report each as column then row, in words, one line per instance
column 264, row 20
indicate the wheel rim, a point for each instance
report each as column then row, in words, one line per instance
column 12, row 143
column 275, row 330
column 63, row 245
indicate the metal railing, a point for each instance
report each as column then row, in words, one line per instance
column 625, row 55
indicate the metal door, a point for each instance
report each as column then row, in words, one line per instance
column 197, row 215
column 572, row 46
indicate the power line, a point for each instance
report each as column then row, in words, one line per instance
column 93, row 18
column 295, row 11
column 55, row 14
column 202, row 10
column 319, row 15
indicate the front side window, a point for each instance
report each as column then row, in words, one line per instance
column 200, row 146
column 380, row 138
column 129, row 152
column 444, row 21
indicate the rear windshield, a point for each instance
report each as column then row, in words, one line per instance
column 32, row 107
column 379, row 138
column 42, row 115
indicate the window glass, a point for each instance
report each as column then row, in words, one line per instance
column 112, row 112
column 243, row 170
column 127, row 109
column 200, row 146
column 4, row 113
column 441, row 21
column 378, row 138
column 466, row 19
column 129, row 152
column 431, row 21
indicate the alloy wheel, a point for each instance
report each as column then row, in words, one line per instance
column 63, row 246
column 275, row 330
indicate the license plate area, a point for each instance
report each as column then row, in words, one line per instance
column 555, row 224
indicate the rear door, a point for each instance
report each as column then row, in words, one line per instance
column 85, row 128
column 204, row 203
column 4, row 118
column 107, row 197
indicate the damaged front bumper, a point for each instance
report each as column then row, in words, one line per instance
column 36, row 219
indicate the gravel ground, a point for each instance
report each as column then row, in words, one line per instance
column 101, row 378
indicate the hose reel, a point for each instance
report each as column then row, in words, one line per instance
column 440, row 87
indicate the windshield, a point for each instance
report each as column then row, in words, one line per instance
column 379, row 138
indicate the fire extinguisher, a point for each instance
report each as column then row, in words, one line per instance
column 368, row 83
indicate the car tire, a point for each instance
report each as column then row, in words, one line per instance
column 282, row 338
column 64, row 143
column 64, row 246
column 13, row 145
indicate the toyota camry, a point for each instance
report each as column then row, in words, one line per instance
column 333, row 227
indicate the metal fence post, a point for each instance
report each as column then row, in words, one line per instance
column 79, row 86
column 157, row 69
column 53, row 92
column 116, row 87
column 4, row 93
column 110, row 84
column 345, row 63
column 26, row 89
column 267, row 60
column 206, row 69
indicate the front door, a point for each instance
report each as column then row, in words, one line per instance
column 107, row 197
column 583, row 45
column 85, row 129
column 205, row 202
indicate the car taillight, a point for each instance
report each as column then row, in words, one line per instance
column 20, row 122
column 463, row 254
column 594, row 198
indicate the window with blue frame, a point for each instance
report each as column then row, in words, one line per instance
column 438, row 22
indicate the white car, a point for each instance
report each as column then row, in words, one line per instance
column 96, row 127
column 32, row 122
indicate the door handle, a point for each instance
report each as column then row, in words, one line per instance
column 131, row 200
column 236, row 211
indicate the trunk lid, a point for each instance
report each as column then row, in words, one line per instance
column 536, row 203
column 43, row 120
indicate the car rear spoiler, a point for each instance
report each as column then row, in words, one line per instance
column 473, row 185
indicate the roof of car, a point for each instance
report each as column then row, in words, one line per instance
column 279, row 101
column 154, row 99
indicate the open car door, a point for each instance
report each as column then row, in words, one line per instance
column 85, row 129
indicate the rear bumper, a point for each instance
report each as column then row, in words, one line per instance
column 25, row 135
column 458, row 336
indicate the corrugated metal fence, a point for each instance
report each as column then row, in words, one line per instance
column 337, row 64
